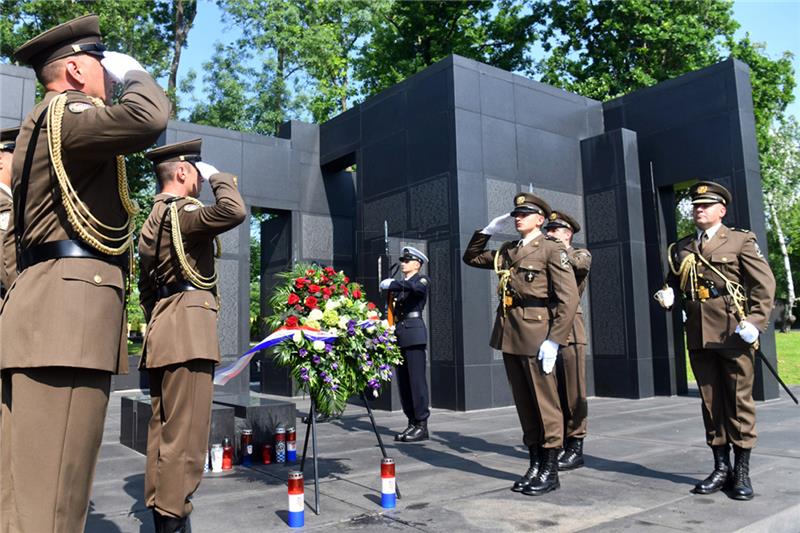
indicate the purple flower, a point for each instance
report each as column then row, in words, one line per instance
column 315, row 359
column 328, row 347
column 323, row 375
column 334, row 386
column 305, row 377
column 375, row 341
column 302, row 352
column 335, row 366
column 374, row 384
column 385, row 367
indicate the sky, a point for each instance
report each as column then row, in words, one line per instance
column 776, row 23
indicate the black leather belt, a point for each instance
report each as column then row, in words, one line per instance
column 713, row 292
column 531, row 302
column 412, row 314
column 65, row 249
column 165, row 291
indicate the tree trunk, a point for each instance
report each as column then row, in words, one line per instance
column 185, row 11
column 788, row 315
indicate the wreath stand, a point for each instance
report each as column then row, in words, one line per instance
column 311, row 429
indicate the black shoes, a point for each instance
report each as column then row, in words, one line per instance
column 546, row 479
column 169, row 524
column 533, row 470
column 721, row 476
column 572, row 457
column 400, row 436
column 418, row 432
column 741, row 489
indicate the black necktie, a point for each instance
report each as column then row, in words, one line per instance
column 703, row 240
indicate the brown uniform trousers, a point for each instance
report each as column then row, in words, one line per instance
column 8, row 255
column 547, row 298
column 62, row 323
column 572, row 363
column 181, row 345
column 722, row 362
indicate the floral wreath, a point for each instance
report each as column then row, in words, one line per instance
column 340, row 346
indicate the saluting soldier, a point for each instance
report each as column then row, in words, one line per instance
column 728, row 291
column 178, row 292
column 65, row 314
column 572, row 363
column 409, row 297
column 8, row 259
column 538, row 300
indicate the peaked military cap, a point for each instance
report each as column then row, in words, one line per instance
column 526, row 203
column 78, row 36
column 558, row 219
column 8, row 138
column 708, row 192
column 412, row 254
column 182, row 151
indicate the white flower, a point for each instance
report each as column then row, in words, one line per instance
column 297, row 337
column 315, row 315
column 375, row 393
column 343, row 320
column 372, row 315
column 332, row 303
column 318, row 346
column 371, row 329
column 385, row 324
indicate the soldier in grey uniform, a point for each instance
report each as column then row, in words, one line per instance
column 572, row 363
column 538, row 300
column 728, row 292
column 177, row 287
column 65, row 314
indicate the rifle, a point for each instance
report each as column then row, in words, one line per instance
column 391, row 271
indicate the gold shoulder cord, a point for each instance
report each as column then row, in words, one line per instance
column 503, row 276
column 192, row 276
column 687, row 271
column 80, row 217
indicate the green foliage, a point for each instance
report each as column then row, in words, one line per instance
column 409, row 36
column 363, row 351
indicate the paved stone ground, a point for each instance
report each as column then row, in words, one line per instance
column 643, row 457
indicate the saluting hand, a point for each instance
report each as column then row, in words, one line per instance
column 501, row 224
column 206, row 170
column 120, row 65
column 548, row 352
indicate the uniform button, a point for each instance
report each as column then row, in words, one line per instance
column 724, row 258
column 205, row 304
column 98, row 279
column 538, row 317
column 700, row 275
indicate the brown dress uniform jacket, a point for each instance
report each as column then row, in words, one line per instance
column 539, row 270
column 70, row 312
column 711, row 324
column 581, row 261
column 8, row 255
column 183, row 326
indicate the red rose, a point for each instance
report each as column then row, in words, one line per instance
column 326, row 296
column 370, row 306
column 346, row 279
column 293, row 299
column 291, row 322
column 313, row 289
column 356, row 294
column 325, row 279
column 300, row 282
column 330, row 271
column 344, row 290
column 327, row 291
column 311, row 302
column 310, row 272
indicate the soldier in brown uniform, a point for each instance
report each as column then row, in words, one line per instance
column 538, row 300
column 65, row 313
column 8, row 259
column 572, row 363
column 177, row 284
column 728, row 291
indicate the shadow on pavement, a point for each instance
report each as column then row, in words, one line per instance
column 624, row 467
column 96, row 522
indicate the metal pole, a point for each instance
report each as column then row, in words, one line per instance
column 314, row 451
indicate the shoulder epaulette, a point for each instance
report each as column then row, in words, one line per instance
column 551, row 238
column 741, row 230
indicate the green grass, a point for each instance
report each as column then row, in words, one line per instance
column 134, row 347
column 788, row 345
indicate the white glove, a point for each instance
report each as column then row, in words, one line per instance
column 665, row 297
column 119, row 65
column 206, row 170
column 548, row 352
column 385, row 284
column 747, row 331
column 501, row 224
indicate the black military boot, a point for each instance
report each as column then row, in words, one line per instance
column 418, row 433
column 721, row 475
column 572, row 457
column 547, row 477
column 741, row 490
column 169, row 524
column 528, row 476
column 405, row 432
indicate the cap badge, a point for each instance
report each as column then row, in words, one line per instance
column 519, row 200
column 702, row 189
column 553, row 216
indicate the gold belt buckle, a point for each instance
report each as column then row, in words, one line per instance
column 702, row 293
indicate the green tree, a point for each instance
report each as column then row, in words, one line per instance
column 410, row 36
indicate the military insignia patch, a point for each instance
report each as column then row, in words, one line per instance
column 4, row 218
column 423, row 280
column 702, row 189
column 191, row 207
column 519, row 200
column 758, row 250
column 564, row 259
column 79, row 107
